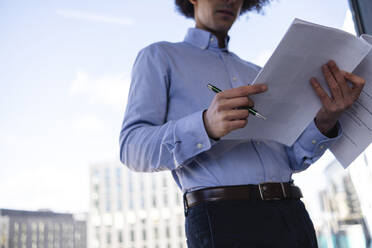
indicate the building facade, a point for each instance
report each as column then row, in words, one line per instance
column 4, row 231
column 361, row 176
column 42, row 229
column 344, row 222
column 134, row 210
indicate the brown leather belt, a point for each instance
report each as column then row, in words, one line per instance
column 263, row 191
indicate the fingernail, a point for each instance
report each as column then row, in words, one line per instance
column 264, row 87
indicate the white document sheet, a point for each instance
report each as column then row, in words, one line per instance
column 290, row 103
column 356, row 122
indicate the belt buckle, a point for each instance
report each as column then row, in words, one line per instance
column 262, row 191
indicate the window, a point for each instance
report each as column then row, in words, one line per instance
column 96, row 204
column 142, row 200
column 165, row 183
column 97, row 234
column 165, row 199
column 154, row 200
column 132, row 234
column 96, row 188
column 178, row 199
column 167, row 231
column 156, row 233
column 16, row 226
column 96, row 174
column 120, row 236
column 131, row 190
column 107, row 188
column 180, row 231
column 153, row 183
column 108, row 236
column 119, row 187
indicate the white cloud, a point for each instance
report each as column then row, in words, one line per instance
column 95, row 17
column 110, row 90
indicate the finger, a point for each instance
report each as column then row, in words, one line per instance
column 244, row 91
column 236, row 102
column 331, row 81
column 232, row 125
column 323, row 96
column 236, row 114
column 340, row 79
column 358, row 84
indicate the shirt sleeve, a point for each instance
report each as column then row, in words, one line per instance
column 147, row 141
column 309, row 147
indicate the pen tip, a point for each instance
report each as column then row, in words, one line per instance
column 261, row 116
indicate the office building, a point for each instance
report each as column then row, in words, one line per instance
column 361, row 175
column 344, row 223
column 41, row 229
column 4, row 231
column 130, row 209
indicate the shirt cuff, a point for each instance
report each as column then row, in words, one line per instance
column 190, row 138
column 314, row 141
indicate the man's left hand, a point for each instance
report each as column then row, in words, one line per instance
column 343, row 96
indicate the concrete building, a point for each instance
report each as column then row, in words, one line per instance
column 42, row 229
column 4, row 231
column 130, row 209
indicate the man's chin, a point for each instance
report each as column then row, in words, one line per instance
column 223, row 28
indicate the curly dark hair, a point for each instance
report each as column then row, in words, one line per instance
column 187, row 9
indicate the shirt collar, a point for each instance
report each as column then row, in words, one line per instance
column 204, row 39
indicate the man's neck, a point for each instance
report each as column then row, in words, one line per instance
column 221, row 39
column 221, row 36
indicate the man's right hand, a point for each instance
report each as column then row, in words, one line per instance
column 224, row 115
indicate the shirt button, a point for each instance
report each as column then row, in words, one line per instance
column 234, row 78
column 258, row 143
column 321, row 147
column 199, row 145
column 313, row 141
column 212, row 39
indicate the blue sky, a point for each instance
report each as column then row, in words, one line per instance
column 65, row 75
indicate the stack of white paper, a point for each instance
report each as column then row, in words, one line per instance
column 357, row 121
column 291, row 104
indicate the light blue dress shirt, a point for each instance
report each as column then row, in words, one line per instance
column 163, row 125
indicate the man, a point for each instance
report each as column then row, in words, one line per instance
column 237, row 193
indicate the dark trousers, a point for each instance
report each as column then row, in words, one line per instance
column 250, row 224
